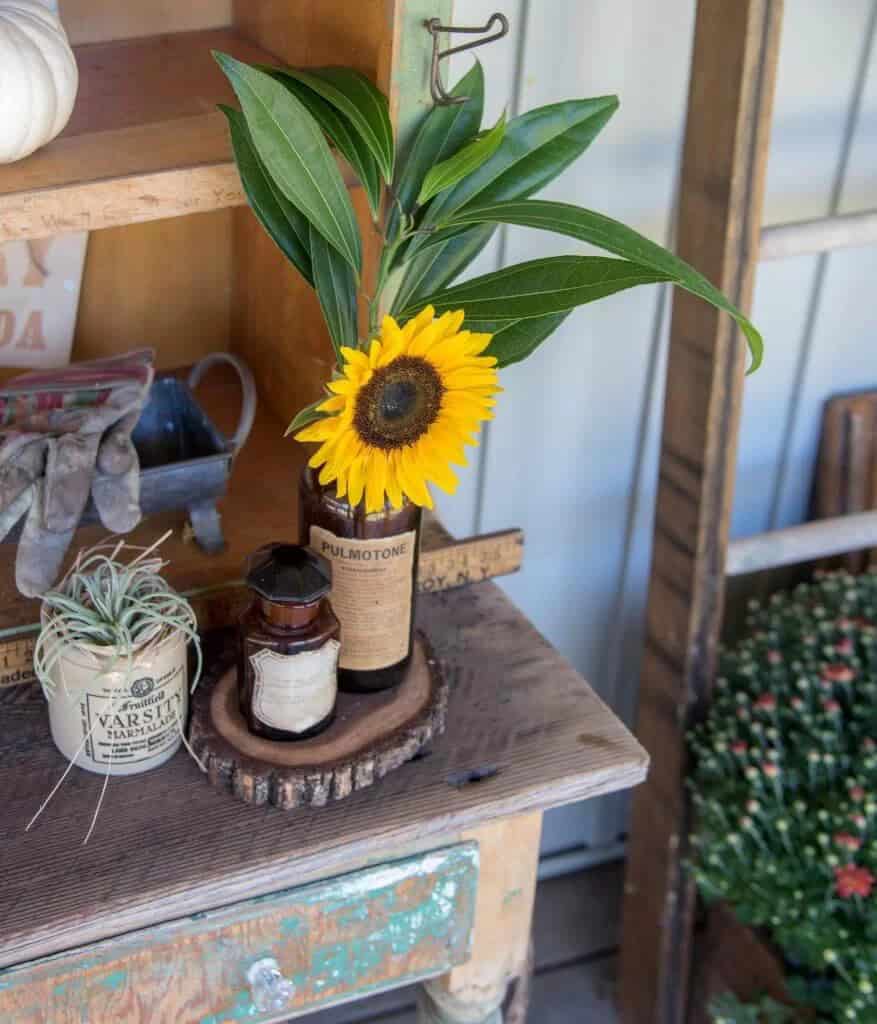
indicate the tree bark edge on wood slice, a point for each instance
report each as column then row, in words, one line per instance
column 372, row 735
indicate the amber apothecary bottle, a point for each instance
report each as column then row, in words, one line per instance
column 289, row 645
column 374, row 572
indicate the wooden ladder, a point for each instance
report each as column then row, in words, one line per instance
column 720, row 232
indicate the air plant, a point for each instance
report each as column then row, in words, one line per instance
column 107, row 603
column 110, row 607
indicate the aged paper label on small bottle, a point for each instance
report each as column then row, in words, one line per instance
column 295, row 691
column 371, row 595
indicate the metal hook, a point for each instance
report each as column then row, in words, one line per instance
column 440, row 97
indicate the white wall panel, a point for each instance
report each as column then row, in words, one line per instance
column 572, row 455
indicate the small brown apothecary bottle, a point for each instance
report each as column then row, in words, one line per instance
column 289, row 644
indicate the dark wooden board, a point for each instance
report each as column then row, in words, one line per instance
column 721, row 190
column 371, row 735
column 731, row 958
column 524, row 732
column 846, row 472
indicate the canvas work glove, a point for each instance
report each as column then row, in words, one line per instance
column 66, row 435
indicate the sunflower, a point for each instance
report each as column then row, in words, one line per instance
column 401, row 413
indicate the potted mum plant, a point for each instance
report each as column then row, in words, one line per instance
column 785, row 790
column 416, row 377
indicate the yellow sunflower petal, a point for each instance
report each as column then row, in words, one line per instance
column 319, row 431
column 452, row 441
column 394, row 490
column 425, row 339
column 477, row 343
column 354, row 356
column 320, row 455
column 411, row 478
column 334, row 404
column 435, row 465
column 356, row 480
column 377, row 478
column 416, row 325
column 327, row 474
column 470, row 378
column 392, row 339
column 460, row 403
column 451, row 322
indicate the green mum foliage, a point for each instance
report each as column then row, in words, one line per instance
column 785, row 788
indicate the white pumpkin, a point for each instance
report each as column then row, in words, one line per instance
column 38, row 77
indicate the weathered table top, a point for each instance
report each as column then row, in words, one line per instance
column 166, row 845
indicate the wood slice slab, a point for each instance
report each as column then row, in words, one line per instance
column 371, row 735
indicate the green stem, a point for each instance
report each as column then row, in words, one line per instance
column 388, row 254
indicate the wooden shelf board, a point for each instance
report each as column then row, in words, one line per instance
column 145, row 140
column 521, row 721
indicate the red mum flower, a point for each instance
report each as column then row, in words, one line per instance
column 774, row 657
column 831, row 706
column 859, row 820
column 845, row 625
column 851, row 880
column 739, row 748
column 797, row 703
column 766, row 702
column 838, row 674
column 869, row 744
column 771, row 770
column 844, row 647
column 847, row 842
column 857, row 793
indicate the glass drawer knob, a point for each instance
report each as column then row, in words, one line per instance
column 269, row 989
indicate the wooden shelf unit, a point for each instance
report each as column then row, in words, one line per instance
column 179, row 263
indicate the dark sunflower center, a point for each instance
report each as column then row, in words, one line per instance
column 399, row 403
column 398, row 399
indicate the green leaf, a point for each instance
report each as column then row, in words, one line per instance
column 336, row 290
column 438, row 265
column 614, row 237
column 536, row 147
column 443, row 131
column 514, row 340
column 464, row 162
column 286, row 226
column 361, row 103
column 540, row 288
column 296, row 155
column 343, row 136
column 308, row 415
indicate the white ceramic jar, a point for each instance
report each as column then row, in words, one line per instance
column 113, row 717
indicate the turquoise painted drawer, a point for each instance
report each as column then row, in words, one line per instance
column 302, row 949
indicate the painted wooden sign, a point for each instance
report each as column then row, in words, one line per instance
column 40, row 280
column 318, row 944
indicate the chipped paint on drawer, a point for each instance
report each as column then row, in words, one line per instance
column 336, row 940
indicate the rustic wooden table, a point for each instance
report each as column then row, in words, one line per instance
column 427, row 876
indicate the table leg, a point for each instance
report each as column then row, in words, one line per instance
column 474, row 992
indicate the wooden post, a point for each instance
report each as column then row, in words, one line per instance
column 474, row 993
column 726, row 144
